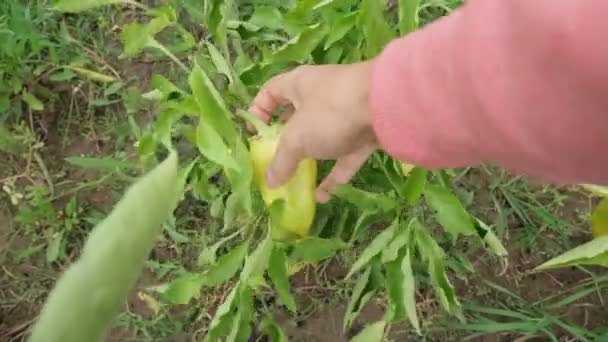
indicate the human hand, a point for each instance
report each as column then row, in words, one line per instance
column 328, row 119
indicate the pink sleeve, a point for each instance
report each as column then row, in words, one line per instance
column 517, row 82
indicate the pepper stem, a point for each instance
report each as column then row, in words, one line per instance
column 262, row 128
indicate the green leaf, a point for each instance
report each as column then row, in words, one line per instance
column 231, row 211
column 443, row 288
column 241, row 180
column 183, row 289
column 219, row 61
column 163, row 85
column 208, row 254
column 241, row 327
column 492, row 242
column 74, row 6
column 435, row 257
column 594, row 252
column 226, row 267
column 257, row 262
column 224, row 315
column 394, row 286
column 54, row 247
column 376, row 29
column 213, row 147
column 365, row 201
column 273, row 330
column 356, row 299
column 113, row 89
column 8, row 142
column 109, row 164
column 391, row 252
column 314, row 249
column 94, row 289
column 414, row 185
column 135, row 39
column 427, row 246
column 278, row 274
column 340, row 27
column 400, row 285
column 64, row 75
column 212, row 106
column 449, row 212
column 32, row 101
column 408, row 16
column 298, row 49
column 371, row 333
column 267, row 16
column 93, row 75
column 409, row 291
column 374, row 248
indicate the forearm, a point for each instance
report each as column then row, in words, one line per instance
column 521, row 83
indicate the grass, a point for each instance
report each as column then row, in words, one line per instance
column 67, row 163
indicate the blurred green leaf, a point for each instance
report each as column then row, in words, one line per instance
column 212, row 106
column 374, row 248
column 594, row 252
column 298, row 49
column 449, row 212
column 74, row 6
column 53, row 249
column 211, row 145
column 8, row 142
column 135, row 39
column 273, row 330
column 224, row 315
column 371, row 333
column 395, row 288
column 400, row 284
column 401, row 239
column 356, row 299
column 219, row 61
column 340, row 27
column 376, row 29
column 231, row 210
column 32, row 101
column 226, row 267
column 314, row 249
column 257, row 262
column 208, row 254
column 409, row 291
column 108, row 164
column 365, row 201
column 183, row 289
column 278, row 273
column 241, row 179
column 241, row 327
column 64, row 75
column 408, row 16
column 267, row 16
column 414, row 185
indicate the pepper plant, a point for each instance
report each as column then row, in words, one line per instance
column 404, row 216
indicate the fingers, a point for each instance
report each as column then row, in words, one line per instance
column 277, row 91
column 288, row 155
column 344, row 169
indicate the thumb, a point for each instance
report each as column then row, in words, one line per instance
column 288, row 155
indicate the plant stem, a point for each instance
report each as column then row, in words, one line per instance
column 262, row 128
